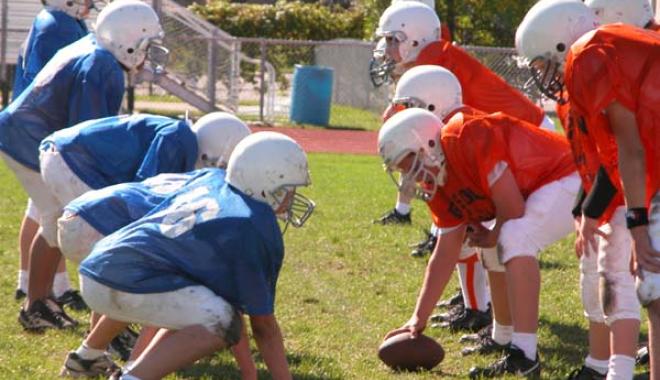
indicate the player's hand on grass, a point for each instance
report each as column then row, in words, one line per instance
column 414, row 326
column 645, row 256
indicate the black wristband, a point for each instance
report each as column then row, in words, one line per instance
column 636, row 217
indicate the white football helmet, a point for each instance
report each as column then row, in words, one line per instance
column 269, row 166
column 217, row 134
column 130, row 30
column 633, row 12
column 546, row 34
column 410, row 24
column 430, row 87
column 428, row 3
column 414, row 132
column 380, row 66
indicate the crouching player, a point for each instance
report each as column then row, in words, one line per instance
column 526, row 183
column 104, row 152
column 610, row 71
column 208, row 252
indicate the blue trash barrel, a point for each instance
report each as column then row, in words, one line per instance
column 311, row 95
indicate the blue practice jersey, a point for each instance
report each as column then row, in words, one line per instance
column 122, row 149
column 114, row 207
column 81, row 82
column 207, row 233
column 51, row 30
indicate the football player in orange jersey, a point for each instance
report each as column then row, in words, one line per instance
column 526, row 173
column 611, row 71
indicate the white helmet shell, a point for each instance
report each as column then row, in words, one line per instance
column 414, row 131
column 268, row 165
column 428, row 3
column 550, row 27
column 632, row 12
column 126, row 28
column 74, row 8
column 217, row 134
column 430, row 87
column 413, row 23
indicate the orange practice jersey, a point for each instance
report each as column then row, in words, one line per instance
column 482, row 89
column 474, row 143
column 586, row 155
column 620, row 63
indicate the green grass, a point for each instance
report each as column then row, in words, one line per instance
column 344, row 284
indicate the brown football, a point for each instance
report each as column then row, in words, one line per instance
column 402, row 352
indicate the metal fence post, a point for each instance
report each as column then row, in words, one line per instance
column 157, row 5
column 212, row 69
column 262, row 87
column 3, row 56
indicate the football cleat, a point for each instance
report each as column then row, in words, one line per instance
column 41, row 316
column 75, row 366
column 468, row 320
column 394, row 217
column 514, row 362
column 72, row 299
column 456, row 299
column 19, row 294
column 484, row 347
column 448, row 315
column 424, row 247
column 478, row 336
column 642, row 357
column 122, row 345
column 586, row 373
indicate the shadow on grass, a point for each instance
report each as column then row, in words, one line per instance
column 572, row 344
column 549, row 265
column 229, row 370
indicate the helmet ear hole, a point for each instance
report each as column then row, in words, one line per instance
column 561, row 47
column 431, row 107
column 415, row 43
column 130, row 50
column 431, row 143
column 204, row 157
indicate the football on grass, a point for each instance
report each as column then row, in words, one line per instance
column 404, row 353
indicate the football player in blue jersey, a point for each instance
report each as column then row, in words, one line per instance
column 57, row 25
column 103, row 152
column 83, row 81
column 213, row 249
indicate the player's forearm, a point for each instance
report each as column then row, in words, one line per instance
column 632, row 169
column 271, row 346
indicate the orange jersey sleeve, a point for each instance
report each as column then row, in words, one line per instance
column 482, row 89
column 620, row 63
column 474, row 143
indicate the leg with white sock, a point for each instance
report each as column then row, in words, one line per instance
column 29, row 228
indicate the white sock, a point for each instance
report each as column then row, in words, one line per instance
column 434, row 230
column 127, row 366
column 128, row 376
column 473, row 283
column 61, row 284
column 23, row 278
column 402, row 208
column 501, row 333
column 599, row 366
column 526, row 342
column 621, row 367
column 89, row 353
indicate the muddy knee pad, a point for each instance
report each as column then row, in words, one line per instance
column 48, row 228
column 617, row 295
column 76, row 237
column 230, row 331
column 589, row 292
column 490, row 260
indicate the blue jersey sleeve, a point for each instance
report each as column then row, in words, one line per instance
column 173, row 150
column 99, row 90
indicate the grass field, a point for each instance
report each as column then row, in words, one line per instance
column 344, row 284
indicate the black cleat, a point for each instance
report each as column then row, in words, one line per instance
column 456, row 299
column 41, row 316
column 478, row 336
column 19, row 294
column 393, row 217
column 514, row 362
column 469, row 320
column 424, row 247
column 72, row 299
column 642, row 357
column 122, row 345
column 452, row 313
column 75, row 366
column 642, row 376
column 586, row 373
column 484, row 347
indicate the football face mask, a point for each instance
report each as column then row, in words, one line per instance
column 548, row 77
